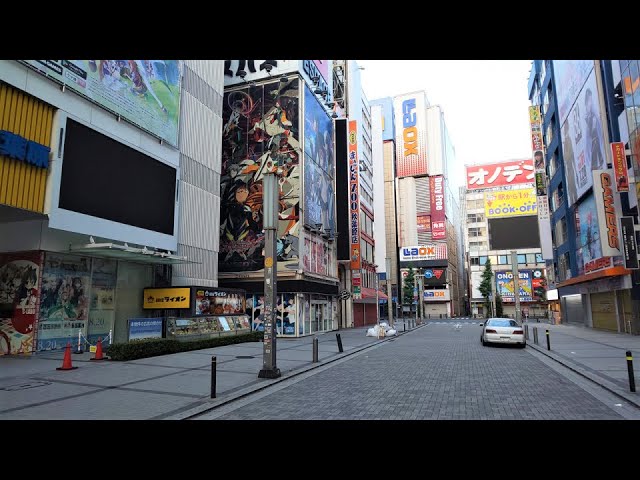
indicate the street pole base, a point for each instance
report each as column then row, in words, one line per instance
column 269, row 373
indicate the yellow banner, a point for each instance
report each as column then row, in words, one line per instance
column 511, row 203
column 160, row 298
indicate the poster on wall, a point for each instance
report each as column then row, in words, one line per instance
column 505, row 286
column 583, row 141
column 257, row 324
column 569, row 76
column 103, row 299
column 587, row 233
column 218, row 302
column 423, row 223
column 260, row 134
column 20, row 276
column 64, row 301
column 511, row 203
column 286, row 316
column 438, row 227
column 144, row 92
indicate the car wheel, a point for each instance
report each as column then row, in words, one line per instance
column 523, row 345
column 484, row 344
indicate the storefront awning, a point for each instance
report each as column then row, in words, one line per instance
column 125, row 252
column 369, row 295
column 607, row 272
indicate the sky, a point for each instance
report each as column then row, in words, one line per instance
column 485, row 102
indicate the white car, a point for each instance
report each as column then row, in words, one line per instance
column 502, row 330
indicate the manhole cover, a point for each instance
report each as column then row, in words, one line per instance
column 24, row 386
column 245, row 356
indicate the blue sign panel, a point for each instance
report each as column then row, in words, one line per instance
column 145, row 328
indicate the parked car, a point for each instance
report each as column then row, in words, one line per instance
column 502, row 330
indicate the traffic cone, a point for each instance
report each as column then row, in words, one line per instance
column 66, row 361
column 99, row 351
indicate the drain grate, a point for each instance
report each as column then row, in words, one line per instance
column 245, row 356
column 25, row 386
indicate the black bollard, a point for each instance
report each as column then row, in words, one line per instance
column 315, row 350
column 339, row 340
column 526, row 332
column 535, row 335
column 213, row 377
column 632, row 380
column 548, row 340
column 404, row 326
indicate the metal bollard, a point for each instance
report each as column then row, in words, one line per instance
column 315, row 350
column 526, row 332
column 632, row 380
column 548, row 340
column 213, row 376
column 535, row 335
column 404, row 326
column 339, row 340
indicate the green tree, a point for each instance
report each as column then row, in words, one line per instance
column 407, row 288
column 486, row 284
column 498, row 305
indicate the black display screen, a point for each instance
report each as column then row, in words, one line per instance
column 513, row 233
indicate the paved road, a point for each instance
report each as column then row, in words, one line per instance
column 437, row 372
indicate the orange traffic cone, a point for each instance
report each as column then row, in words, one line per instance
column 66, row 361
column 99, row 351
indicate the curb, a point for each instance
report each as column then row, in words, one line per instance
column 212, row 404
column 607, row 385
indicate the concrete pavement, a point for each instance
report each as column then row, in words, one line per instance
column 169, row 386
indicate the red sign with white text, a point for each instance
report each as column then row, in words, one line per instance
column 500, row 174
column 620, row 167
column 438, row 229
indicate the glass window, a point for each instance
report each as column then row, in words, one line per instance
column 475, row 261
column 502, row 260
column 494, row 259
column 501, row 323
column 483, row 260
column 531, row 258
column 539, row 258
column 552, row 165
column 549, row 132
column 522, row 258
column 564, row 229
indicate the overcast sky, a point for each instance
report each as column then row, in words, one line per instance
column 485, row 102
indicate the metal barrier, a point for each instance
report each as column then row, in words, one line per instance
column 535, row 335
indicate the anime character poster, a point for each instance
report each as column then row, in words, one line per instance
column 260, row 134
column 319, row 165
column 64, row 301
column 258, row 313
column 20, row 275
column 145, row 92
column 286, row 317
column 588, row 232
column 103, row 299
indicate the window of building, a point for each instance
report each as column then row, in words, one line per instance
column 476, row 245
column 565, row 234
column 539, row 258
column 531, row 258
column 543, row 72
column 564, row 270
column 522, row 259
column 477, row 232
column 475, row 217
column 502, row 260
column 475, row 261
column 552, row 162
column 547, row 96
column 549, row 131
column 494, row 259
column 483, row 260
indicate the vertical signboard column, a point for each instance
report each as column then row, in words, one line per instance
column 544, row 217
column 354, row 210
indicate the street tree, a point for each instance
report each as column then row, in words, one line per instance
column 486, row 284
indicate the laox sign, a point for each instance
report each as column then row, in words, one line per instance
column 424, row 252
column 410, row 132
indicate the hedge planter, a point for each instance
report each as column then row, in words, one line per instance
column 162, row 346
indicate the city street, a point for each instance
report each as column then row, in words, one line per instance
column 439, row 371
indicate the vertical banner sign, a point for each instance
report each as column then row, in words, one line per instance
column 609, row 211
column 630, row 253
column 620, row 166
column 354, row 196
column 436, row 185
column 544, row 217
column 411, row 134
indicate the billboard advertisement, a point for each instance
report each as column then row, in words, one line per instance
column 437, row 295
column 318, row 164
column 620, row 166
column 435, row 276
column 260, row 130
column 627, row 232
column 569, row 76
column 587, row 233
column 510, row 203
column 537, row 143
column 243, row 71
column 218, row 302
column 499, row 174
column 505, row 286
column 608, row 208
column 354, row 195
column 140, row 328
column 438, row 220
column 434, row 251
column 411, row 134
column 423, row 223
column 20, row 286
column 143, row 92
column 583, row 141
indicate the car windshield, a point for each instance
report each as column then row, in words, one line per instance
column 498, row 322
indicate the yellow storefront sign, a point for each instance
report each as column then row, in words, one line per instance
column 511, row 203
column 167, row 298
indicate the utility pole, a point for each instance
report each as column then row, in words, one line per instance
column 389, row 292
column 493, row 294
column 516, row 283
column 421, row 294
column 270, row 220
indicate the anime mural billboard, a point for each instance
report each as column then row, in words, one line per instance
column 20, row 275
column 318, row 164
column 260, row 134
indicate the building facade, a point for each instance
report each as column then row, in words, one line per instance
column 107, row 166
column 587, row 141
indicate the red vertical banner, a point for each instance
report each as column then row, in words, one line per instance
column 438, row 229
column 620, row 166
column 354, row 196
